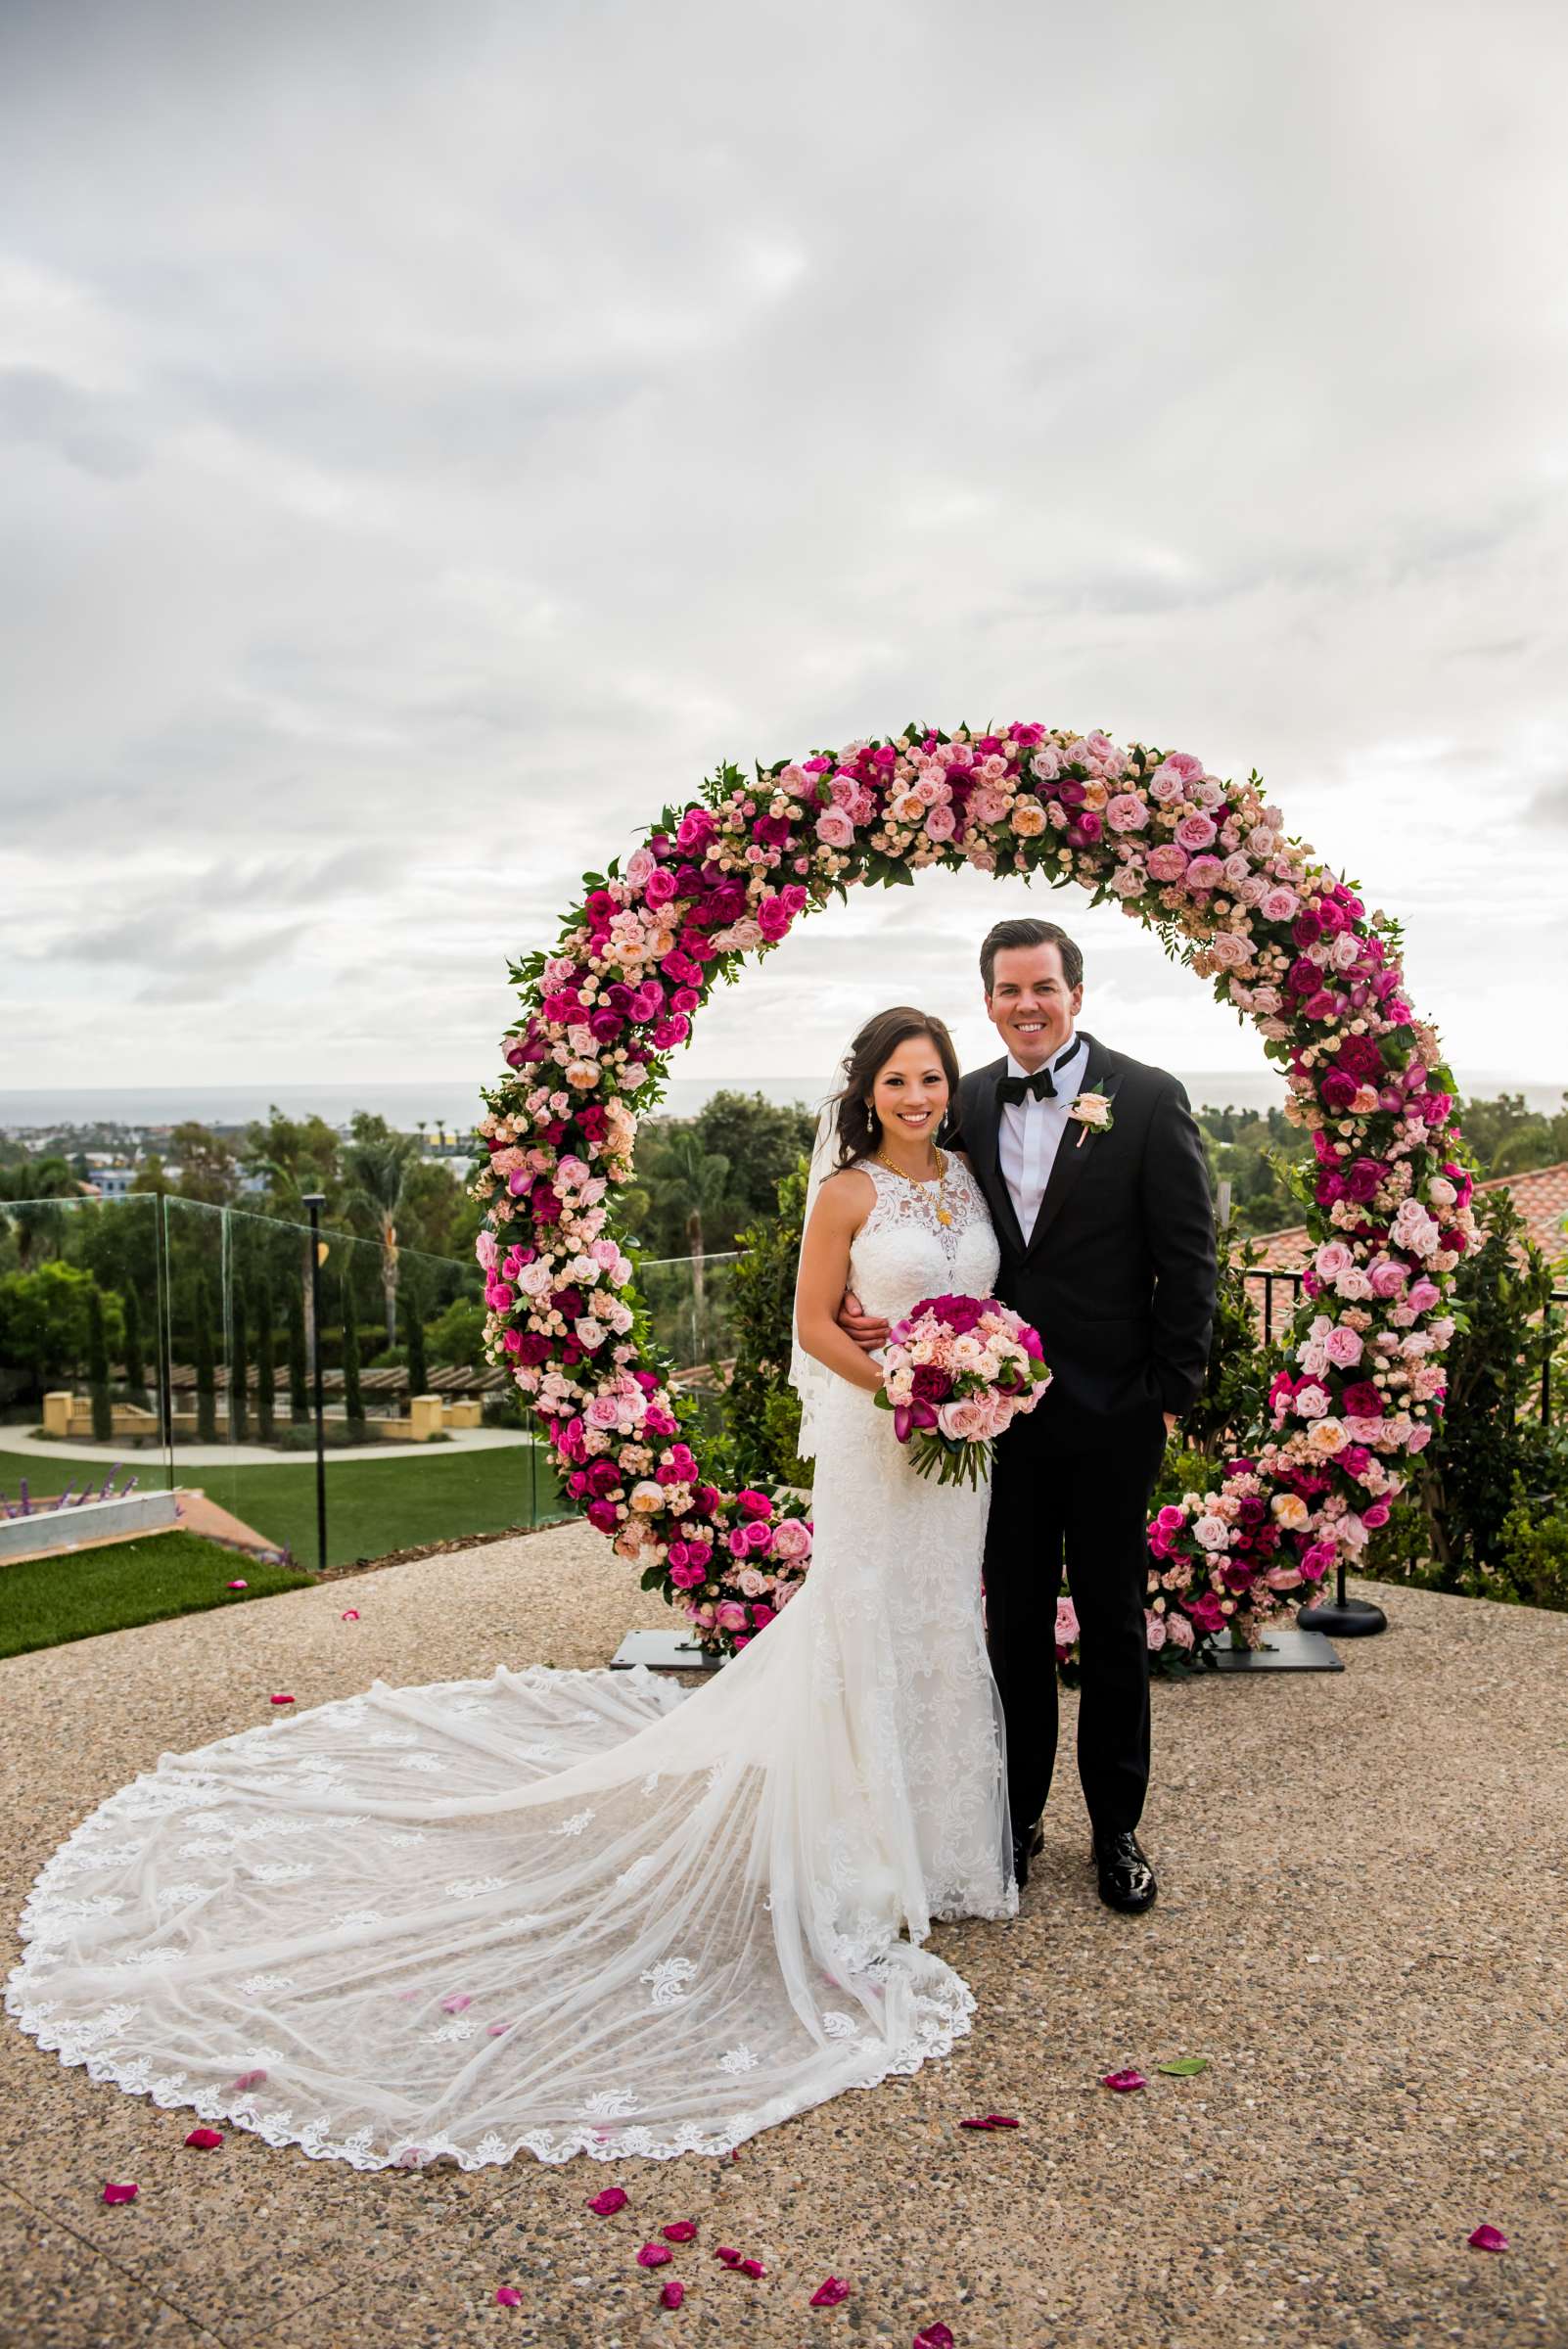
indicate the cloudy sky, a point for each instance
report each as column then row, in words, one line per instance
column 432, row 435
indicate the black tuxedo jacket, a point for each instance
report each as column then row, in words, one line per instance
column 1119, row 1273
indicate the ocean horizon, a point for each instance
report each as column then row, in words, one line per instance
column 24, row 1109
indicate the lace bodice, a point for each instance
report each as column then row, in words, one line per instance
column 903, row 1251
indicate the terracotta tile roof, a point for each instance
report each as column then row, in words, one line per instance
column 1540, row 1193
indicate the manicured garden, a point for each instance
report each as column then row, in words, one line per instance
column 44, row 1602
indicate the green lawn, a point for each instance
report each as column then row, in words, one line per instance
column 47, row 1600
column 373, row 1507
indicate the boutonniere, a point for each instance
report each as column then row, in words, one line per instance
column 1091, row 1112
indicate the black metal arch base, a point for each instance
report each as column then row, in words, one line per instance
column 1341, row 1617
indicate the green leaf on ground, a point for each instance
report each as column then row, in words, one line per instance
column 1185, row 2067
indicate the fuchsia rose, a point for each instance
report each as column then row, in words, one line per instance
column 1204, row 1611
column 1337, row 1091
column 660, row 886
column 751, row 1504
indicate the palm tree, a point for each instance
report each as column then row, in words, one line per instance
column 38, row 1223
column 378, row 1174
column 696, row 1183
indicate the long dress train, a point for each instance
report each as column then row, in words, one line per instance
column 576, row 1911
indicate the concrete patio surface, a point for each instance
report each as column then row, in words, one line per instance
column 1362, row 1927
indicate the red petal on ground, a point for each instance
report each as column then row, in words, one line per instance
column 205, row 2138
column 121, row 2194
column 455, row 2004
column 935, row 2336
column 655, row 2255
column 1000, row 2120
column 974, row 2124
column 248, row 2081
column 280, row 1701
column 507, row 2295
column 1487, row 2238
column 679, row 2231
column 614, row 2198
column 731, row 2259
column 751, row 2266
column 351, row 1615
column 1123, row 2083
column 236, row 1585
column 829, row 2292
column 674, row 2293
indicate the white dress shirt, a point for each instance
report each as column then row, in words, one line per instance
column 1030, row 1134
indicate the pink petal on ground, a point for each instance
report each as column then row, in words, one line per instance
column 121, row 2194
column 829, row 2292
column 1123, row 2083
column 614, row 2198
column 1000, row 2120
column 280, row 1701
column 655, row 2255
column 412, row 2157
column 236, row 1585
column 935, row 2336
column 674, row 2293
column 457, row 2003
column 249, row 2080
column 731, row 2259
column 495, row 2030
column 507, row 2295
column 751, row 2266
column 205, row 2138
column 351, row 1615
column 679, row 2231
column 1485, row 2238
column 974, row 2124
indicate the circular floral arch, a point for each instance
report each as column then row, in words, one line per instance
column 1203, row 864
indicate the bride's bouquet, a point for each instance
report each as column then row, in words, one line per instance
column 956, row 1371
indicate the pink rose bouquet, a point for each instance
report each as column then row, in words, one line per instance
column 956, row 1372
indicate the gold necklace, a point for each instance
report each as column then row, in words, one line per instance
column 943, row 1212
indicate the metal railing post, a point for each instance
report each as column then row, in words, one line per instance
column 315, row 1201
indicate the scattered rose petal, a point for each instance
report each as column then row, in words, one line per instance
column 1185, row 2067
column 1123, row 2083
column 1485, row 2238
column 121, row 2194
column 249, row 2080
column 829, row 2292
column 457, row 2003
column 614, row 2198
column 495, row 2030
column 236, row 1585
column 412, row 2157
column 205, row 2138
column 674, row 2293
column 991, row 2120
column 280, row 1701
column 935, row 2336
column 751, row 2266
column 351, row 1615
column 507, row 2295
column 679, row 2231
column 731, row 2259
column 655, row 2255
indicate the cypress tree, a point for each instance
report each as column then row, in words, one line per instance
column 98, row 1367
column 352, row 1403
column 240, row 1372
column 414, row 1323
column 135, row 1369
column 206, row 1388
column 301, row 1398
column 266, row 1385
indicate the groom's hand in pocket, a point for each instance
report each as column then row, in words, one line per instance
column 1172, row 1422
column 856, row 1323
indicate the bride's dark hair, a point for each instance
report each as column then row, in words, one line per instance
column 857, row 1126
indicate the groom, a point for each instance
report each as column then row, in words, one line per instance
column 1097, row 1186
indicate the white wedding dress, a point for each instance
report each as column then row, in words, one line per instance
column 577, row 1912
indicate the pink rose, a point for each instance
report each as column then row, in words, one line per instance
column 1205, row 872
column 1280, row 904
column 1179, row 1631
column 1127, row 812
column 730, row 1614
column 1066, row 1623
column 792, row 1538
column 1154, row 1628
column 1343, row 1347
column 660, row 886
column 835, row 830
column 941, row 823
column 1195, row 831
column 1166, row 862
column 1423, row 1296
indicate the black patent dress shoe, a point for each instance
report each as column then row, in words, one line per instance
column 1126, row 1880
column 1026, row 1846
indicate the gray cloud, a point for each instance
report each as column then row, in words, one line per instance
column 457, row 434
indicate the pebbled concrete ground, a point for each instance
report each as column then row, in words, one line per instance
column 1362, row 1927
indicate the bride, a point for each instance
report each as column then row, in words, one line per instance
column 585, row 1912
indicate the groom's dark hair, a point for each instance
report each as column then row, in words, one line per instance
column 1030, row 934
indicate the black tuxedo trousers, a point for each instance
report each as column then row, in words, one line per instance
column 1081, row 1513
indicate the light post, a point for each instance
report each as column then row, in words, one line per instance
column 314, row 1202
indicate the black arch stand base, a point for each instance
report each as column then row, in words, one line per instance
column 1343, row 1618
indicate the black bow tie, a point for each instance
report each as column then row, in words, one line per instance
column 1042, row 1086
